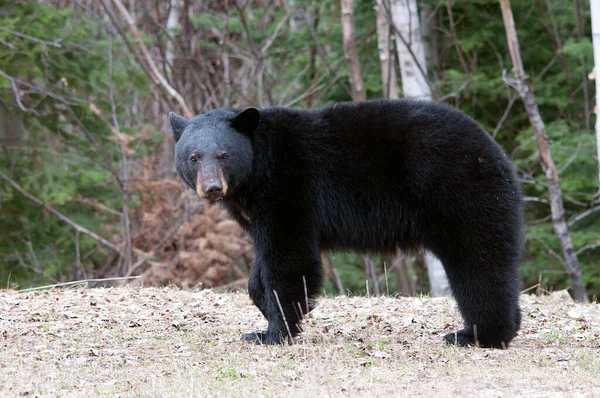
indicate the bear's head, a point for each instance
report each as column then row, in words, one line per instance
column 213, row 151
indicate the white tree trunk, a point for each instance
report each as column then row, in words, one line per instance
column 172, row 25
column 386, row 56
column 413, row 69
column 595, row 7
column 168, row 146
column 411, row 53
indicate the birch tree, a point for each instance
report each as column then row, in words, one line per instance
column 413, row 71
column 595, row 7
column 168, row 146
column 521, row 84
column 411, row 52
column 386, row 56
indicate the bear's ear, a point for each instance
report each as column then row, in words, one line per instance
column 178, row 124
column 246, row 121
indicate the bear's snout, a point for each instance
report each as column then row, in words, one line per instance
column 213, row 190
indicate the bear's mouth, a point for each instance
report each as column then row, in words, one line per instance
column 212, row 187
column 213, row 198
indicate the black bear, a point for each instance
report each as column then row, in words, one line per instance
column 372, row 176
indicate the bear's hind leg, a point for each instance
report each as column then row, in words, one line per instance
column 487, row 293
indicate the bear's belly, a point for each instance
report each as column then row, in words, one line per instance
column 375, row 229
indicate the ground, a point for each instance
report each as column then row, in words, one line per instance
column 170, row 342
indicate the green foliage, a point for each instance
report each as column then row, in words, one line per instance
column 65, row 55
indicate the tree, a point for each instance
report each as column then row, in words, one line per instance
column 525, row 90
column 356, row 81
column 595, row 8
column 413, row 70
column 386, row 56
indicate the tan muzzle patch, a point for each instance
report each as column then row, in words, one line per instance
column 223, row 182
column 199, row 184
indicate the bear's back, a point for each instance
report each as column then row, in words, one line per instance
column 374, row 171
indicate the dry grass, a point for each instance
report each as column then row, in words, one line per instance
column 170, row 342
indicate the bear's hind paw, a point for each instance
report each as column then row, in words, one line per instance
column 464, row 337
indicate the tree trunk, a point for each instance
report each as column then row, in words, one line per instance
column 523, row 87
column 11, row 128
column 406, row 283
column 411, row 53
column 430, row 35
column 413, row 70
column 168, row 145
column 595, row 7
column 371, row 274
column 356, row 81
column 386, row 56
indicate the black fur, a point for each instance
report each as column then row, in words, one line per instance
column 371, row 177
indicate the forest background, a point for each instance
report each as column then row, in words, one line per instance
column 88, row 188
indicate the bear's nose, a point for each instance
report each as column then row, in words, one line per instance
column 213, row 188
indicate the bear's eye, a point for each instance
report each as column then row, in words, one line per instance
column 194, row 158
column 223, row 156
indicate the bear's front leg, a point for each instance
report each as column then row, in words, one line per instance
column 285, row 276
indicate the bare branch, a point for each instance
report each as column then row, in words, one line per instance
column 144, row 58
column 525, row 90
column 55, row 43
column 581, row 216
column 58, row 214
column 455, row 94
column 549, row 250
column 511, row 102
column 572, row 158
column 536, row 199
column 17, row 94
column 587, row 247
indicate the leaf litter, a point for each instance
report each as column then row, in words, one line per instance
column 132, row 341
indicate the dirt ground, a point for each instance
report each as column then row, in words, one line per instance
column 170, row 342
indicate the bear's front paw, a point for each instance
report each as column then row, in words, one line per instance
column 263, row 338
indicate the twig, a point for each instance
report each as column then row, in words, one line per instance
column 305, row 294
column 59, row 214
column 535, row 199
column 55, row 43
column 284, row 320
column 582, row 215
column 166, row 237
column 571, row 159
column 76, row 282
column 387, row 286
column 370, row 271
column 511, row 102
column 530, row 288
column 17, row 94
column 549, row 249
column 587, row 247
column 96, row 204
column 455, row 94
column 78, row 268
